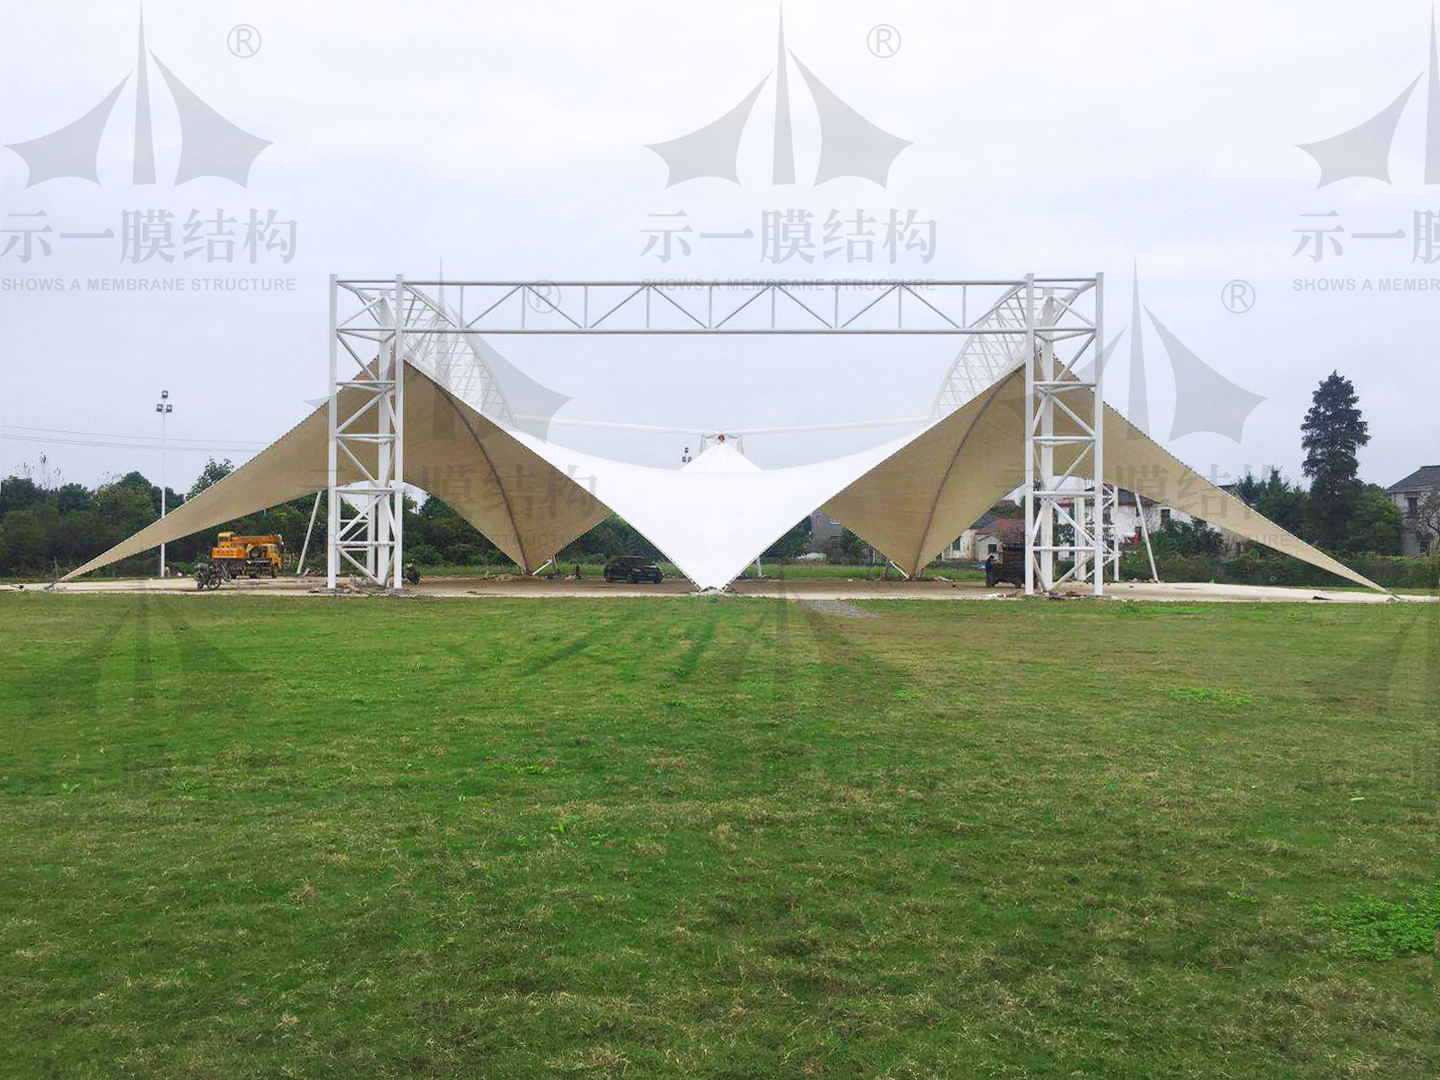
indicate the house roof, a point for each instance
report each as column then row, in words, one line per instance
column 1423, row 478
column 1006, row 530
column 983, row 520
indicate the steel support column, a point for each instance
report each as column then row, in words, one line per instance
column 1030, row 357
column 1112, row 529
column 1097, row 426
column 366, row 434
column 332, row 498
column 1062, row 522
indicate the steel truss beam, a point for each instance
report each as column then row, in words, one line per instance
column 718, row 307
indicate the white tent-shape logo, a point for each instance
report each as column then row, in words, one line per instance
column 210, row 145
column 850, row 145
column 1364, row 150
column 1205, row 400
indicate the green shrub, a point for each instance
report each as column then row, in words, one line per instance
column 462, row 554
column 1260, row 566
column 422, row 555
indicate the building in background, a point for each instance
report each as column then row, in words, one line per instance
column 827, row 535
column 986, row 537
column 1409, row 496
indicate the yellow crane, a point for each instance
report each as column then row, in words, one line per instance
column 234, row 555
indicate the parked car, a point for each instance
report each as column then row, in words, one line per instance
column 632, row 569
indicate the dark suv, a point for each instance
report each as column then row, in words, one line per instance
column 632, row 569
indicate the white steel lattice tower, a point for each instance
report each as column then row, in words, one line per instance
column 1061, row 522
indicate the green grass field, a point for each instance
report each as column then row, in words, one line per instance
column 715, row 837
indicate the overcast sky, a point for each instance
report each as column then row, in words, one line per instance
column 508, row 140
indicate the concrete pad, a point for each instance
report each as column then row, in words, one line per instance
column 811, row 589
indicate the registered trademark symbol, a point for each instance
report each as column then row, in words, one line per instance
column 243, row 41
column 543, row 296
column 883, row 41
column 1238, row 296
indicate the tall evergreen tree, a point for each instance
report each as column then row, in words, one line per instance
column 1332, row 435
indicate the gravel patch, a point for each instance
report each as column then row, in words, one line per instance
column 836, row 607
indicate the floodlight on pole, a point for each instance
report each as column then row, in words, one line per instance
column 164, row 408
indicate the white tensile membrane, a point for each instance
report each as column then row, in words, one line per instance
column 713, row 517
column 721, row 456
column 908, row 497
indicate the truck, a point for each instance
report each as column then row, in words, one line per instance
column 235, row 555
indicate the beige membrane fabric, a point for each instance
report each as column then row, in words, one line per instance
column 931, row 490
column 527, row 507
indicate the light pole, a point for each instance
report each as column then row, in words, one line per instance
column 164, row 408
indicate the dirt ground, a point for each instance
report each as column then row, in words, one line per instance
column 791, row 589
